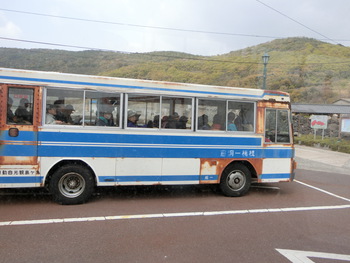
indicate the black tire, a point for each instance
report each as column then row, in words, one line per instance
column 235, row 180
column 71, row 184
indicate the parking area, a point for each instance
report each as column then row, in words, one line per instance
column 307, row 220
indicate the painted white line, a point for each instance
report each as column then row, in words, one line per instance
column 298, row 256
column 323, row 191
column 168, row 215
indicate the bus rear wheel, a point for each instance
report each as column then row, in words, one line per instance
column 235, row 180
column 71, row 185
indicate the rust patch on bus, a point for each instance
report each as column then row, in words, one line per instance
column 19, row 160
column 217, row 166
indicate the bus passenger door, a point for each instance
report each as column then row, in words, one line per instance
column 20, row 117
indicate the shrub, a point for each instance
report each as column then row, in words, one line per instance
column 334, row 144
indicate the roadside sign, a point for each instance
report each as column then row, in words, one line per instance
column 319, row 121
column 345, row 125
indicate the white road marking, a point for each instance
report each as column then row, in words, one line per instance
column 298, row 256
column 323, row 191
column 184, row 214
column 169, row 215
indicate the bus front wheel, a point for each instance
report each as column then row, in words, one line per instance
column 71, row 184
column 235, row 180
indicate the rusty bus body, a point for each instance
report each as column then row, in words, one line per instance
column 71, row 157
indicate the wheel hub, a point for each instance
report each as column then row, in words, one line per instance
column 236, row 180
column 71, row 185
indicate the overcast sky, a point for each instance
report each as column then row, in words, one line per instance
column 202, row 27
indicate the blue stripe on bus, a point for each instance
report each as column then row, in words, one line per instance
column 24, row 136
column 157, row 178
column 131, row 87
column 18, row 150
column 20, row 179
column 146, row 152
column 62, row 144
column 146, row 139
column 276, row 176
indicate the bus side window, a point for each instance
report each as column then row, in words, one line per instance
column 64, row 107
column 142, row 111
column 277, row 126
column 176, row 113
column 102, row 109
column 211, row 115
column 241, row 115
column 283, row 132
column 20, row 106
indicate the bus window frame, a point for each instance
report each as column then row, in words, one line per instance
column 290, row 130
column 44, row 103
column 193, row 109
column 35, row 105
column 121, row 100
column 126, row 109
column 197, row 115
column 254, row 116
column 254, row 103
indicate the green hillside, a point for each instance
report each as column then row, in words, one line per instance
column 310, row 70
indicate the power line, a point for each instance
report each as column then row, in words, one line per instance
column 136, row 25
column 170, row 28
column 296, row 21
column 168, row 56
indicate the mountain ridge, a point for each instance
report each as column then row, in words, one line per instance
column 310, row 70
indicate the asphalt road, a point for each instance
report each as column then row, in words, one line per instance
column 308, row 219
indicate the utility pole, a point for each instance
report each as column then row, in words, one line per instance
column 265, row 59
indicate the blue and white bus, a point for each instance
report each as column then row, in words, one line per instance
column 71, row 133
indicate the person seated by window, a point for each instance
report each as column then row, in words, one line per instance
column 22, row 113
column 218, row 123
column 238, row 122
column 172, row 121
column 133, row 117
column 105, row 119
column 164, row 121
column 51, row 115
column 181, row 124
column 230, row 122
column 156, row 121
column 203, row 122
column 59, row 105
column 11, row 118
column 67, row 112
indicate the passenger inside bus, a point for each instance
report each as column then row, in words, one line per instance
column 231, row 126
column 59, row 105
column 218, row 123
column 133, row 117
column 105, row 119
column 182, row 123
column 23, row 112
column 67, row 112
column 11, row 118
column 51, row 113
column 203, row 122
column 172, row 121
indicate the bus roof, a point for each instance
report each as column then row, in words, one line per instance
column 113, row 84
